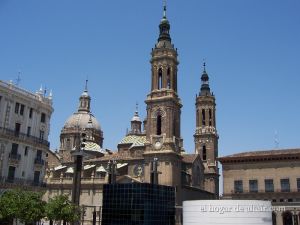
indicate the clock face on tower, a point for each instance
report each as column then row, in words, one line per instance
column 138, row 170
column 157, row 145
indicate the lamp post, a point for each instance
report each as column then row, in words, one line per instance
column 154, row 171
column 78, row 158
column 111, row 167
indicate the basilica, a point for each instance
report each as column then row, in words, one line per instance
column 157, row 137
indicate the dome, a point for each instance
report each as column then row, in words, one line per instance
column 80, row 120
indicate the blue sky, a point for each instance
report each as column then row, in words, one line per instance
column 251, row 47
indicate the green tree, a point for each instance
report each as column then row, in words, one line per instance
column 26, row 206
column 32, row 208
column 60, row 208
column 10, row 202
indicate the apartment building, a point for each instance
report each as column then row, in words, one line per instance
column 24, row 129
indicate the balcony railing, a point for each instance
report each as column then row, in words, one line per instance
column 23, row 136
column 14, row 156
column 262, row 191
column 39, row 161
column 20, row 182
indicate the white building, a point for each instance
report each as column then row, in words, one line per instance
column 24, row 129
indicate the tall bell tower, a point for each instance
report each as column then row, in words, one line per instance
column 163, row 110
column 206, row 137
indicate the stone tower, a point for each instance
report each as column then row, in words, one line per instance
column 163, row 111
column 206, row 137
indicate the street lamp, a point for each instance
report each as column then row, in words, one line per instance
column 78, row 158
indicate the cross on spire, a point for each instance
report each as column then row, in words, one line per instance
column 86, row 85
column 165, row 8
column 204, row 65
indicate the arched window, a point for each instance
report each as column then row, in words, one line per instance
column 158, row 125
column 159, row 78
column 273, row 218
column 203, row 117
column 210, row 117
column 203, row 152
column 287, row 218
column 168, row 78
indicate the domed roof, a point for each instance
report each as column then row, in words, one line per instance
column 80, row 120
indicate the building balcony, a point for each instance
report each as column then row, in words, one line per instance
column 14, row 156
column 39, row 161
column 12, row 182
column 14, row 159
column 19, row 136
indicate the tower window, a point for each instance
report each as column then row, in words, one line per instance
column 203, row 117
column 158, row 125
column 210, row 117
column 159, row 78
column 168, row 79
column 204, row 152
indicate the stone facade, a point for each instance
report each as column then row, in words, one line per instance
column 272, row 175
column 24, row 129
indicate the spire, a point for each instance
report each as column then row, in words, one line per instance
column 165, row 9
column 205, row 90
column 164, row 26
column 86, row 85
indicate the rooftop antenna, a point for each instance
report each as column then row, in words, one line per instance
column 18, row 80
column 276, row 140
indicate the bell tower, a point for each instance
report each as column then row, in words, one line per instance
column 206, row 137
column 163, row 110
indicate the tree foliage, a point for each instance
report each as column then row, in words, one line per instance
column 60, row 208
column 32, row 208
column 10, row 202
column 29, row 207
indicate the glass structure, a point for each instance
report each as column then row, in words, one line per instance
column 138, row 204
